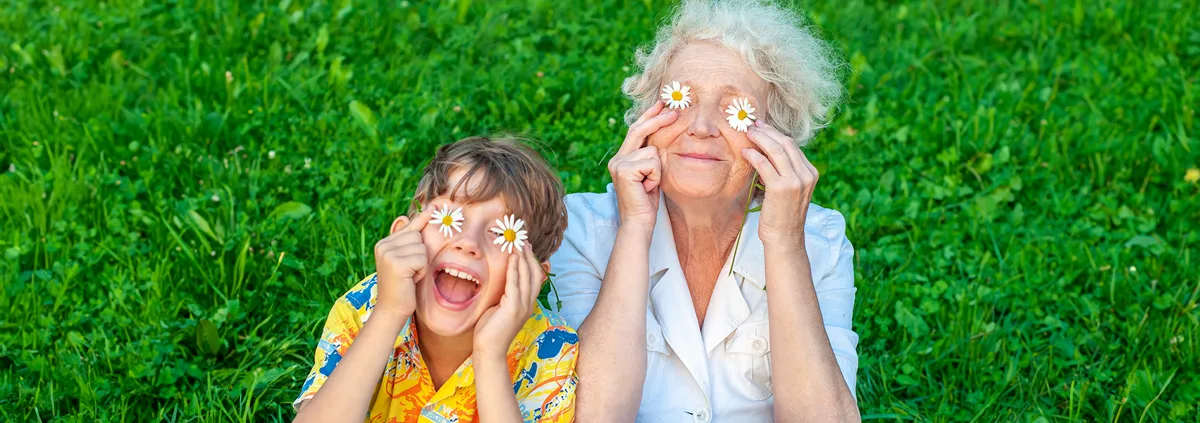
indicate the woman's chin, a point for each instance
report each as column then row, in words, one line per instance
column 697, row 187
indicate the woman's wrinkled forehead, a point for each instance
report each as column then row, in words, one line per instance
column 712, row 69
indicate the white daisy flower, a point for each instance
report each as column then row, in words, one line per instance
column 677, row 96
column 740, row 117
column 450, row 220
column 509, row 234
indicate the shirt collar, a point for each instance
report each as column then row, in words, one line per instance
column 464, row 376
column 750, row 263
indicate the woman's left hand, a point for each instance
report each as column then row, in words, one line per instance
column 789, row 179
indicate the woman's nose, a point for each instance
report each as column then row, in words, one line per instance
column 704, row 121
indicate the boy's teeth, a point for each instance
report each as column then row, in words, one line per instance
column 458, row 274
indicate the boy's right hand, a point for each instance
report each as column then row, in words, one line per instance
column 400, row 261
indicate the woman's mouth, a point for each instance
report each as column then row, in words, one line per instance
column 698, row 156
column 455, row 289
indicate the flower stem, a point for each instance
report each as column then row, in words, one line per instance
column 746, row 212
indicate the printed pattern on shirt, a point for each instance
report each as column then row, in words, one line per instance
column 541, row 360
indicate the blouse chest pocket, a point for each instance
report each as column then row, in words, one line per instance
column 657, row 359
column 749, row 350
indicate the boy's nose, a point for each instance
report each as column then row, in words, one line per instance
column 466, row 244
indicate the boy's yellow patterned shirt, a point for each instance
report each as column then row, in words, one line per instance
column 541, row 360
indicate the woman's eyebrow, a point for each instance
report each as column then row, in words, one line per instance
column 730, row 89
column 723, row 89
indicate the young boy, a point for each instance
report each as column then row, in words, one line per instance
column 450, row 320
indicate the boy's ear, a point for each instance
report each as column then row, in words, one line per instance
column 399, row 223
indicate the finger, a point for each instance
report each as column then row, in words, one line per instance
column 773, row 150
column 813, row 175
column 646, row 152
column 648, row 172
column 523, row 271
column 766, row 171
column 407, row 250
column 512, row 276
column 788, row 143
column 419, row 221
column 415, row 262
column 399, row 240
column 654, row 176
column 537, row 277
column 639, row 170
column 636, row 137
column 652, row 111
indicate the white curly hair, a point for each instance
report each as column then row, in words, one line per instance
column 801, row 69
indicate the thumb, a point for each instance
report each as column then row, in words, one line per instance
column 419, row 221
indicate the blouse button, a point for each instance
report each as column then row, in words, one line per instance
column 702, row 416
column 759, row 346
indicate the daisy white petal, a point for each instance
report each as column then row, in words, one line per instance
column 676, row 95
column 509, row 234
column 448, row 220
column 739, row 117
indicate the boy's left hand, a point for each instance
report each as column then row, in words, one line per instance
column 499, row 325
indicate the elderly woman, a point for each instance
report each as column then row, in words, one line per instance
column 673, row 311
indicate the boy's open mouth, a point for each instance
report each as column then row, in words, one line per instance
column 456, row 287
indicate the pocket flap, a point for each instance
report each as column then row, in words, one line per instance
column 654, row 337
column 747, row 340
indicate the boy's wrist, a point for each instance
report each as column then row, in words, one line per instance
column 390, row 317
column 398, row 308
column 489, row 356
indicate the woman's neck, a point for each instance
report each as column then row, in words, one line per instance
column 704, row 229
column 442, row 354
column 704, row 234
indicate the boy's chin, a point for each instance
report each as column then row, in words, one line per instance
column 447, row 323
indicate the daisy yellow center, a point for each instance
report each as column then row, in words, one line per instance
column 447, row 220
column 677, row 96
column 510, row 235
column 741, row 115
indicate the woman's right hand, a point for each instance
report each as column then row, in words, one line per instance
column 637, row 171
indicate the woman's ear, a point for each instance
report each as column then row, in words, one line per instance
column 399, row 223
column 546, row 267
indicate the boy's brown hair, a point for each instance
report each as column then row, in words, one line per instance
column 511, row 170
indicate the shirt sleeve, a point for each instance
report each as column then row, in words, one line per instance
column 341, row 327
column 835, row 294
column 550, row 396
column 576, row 278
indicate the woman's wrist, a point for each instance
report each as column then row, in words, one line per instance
column 635, row 234
column 789, row 244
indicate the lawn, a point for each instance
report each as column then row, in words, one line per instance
column 187, row 185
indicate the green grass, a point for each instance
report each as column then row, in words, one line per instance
column 1012, row 174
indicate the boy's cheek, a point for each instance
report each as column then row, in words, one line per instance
column 432, row 239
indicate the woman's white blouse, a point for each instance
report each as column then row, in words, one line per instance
column 721, row 371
